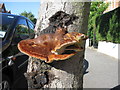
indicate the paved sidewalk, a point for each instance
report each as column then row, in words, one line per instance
column 102, row 70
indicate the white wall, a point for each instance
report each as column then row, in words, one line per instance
column 87, row 43
column 109, row 48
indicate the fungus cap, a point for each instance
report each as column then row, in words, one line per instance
column 50, row 47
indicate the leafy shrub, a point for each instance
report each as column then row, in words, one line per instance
column 96, row 9
column 108, row 26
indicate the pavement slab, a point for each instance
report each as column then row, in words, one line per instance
column 102, row 71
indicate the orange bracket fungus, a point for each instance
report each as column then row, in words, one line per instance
column 58, row 45
column 54, row 46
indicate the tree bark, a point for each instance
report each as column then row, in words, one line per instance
column 59, row 74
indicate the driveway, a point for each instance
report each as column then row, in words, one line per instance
column 102, row 70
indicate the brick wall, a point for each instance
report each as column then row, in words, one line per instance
column 113, row 4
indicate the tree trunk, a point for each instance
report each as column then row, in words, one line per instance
column 59, row 74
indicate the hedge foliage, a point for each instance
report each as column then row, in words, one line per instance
column 108, row 26
column 96, row 9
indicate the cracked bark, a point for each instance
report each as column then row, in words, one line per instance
column 59, row 74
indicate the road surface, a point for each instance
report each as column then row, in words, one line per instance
column 102, row 70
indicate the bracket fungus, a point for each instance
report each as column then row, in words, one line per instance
column 54, row 46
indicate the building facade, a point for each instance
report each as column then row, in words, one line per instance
column 3, row 9
column 112, row 4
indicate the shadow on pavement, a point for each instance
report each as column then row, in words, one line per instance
column 85, row 66
column 20, row 83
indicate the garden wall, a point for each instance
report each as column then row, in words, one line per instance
column 87, row 43
column 109, row 48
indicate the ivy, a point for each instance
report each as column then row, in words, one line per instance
column 103, row 27
column 96, row 9
column 108, row 27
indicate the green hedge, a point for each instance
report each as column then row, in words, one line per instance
column 108, row 26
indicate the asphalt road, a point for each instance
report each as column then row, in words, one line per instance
column 102, row 71
column 21, row 82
